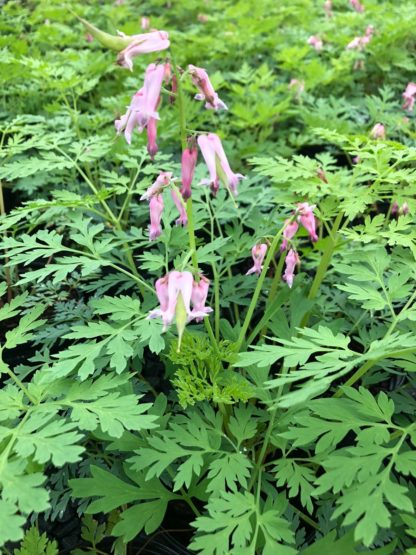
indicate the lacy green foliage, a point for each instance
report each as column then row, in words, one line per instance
column 35, row 543
column 200, row 373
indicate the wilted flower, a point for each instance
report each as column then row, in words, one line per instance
column 409, row 96
column 316, row 42
column 307, row 219
column 292, row 259
column 188, row 163
column 289, row 231
column 201, row 80
column 145, row 23
column 156, row 209
column 358, row 7
column 143, row 44
column 162, row 181
column 175, row 292
column 378, row 131
column 217, row 163
column 183, row 216
column 258, row 252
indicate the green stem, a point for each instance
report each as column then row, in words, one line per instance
column 7, row 274
column 257, row 291
column 216, row 302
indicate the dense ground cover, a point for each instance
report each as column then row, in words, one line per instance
column 267, row 405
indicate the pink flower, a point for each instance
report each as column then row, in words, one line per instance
column 89, row 37
column 359, row 43
column 156, row 209
column 378, row 131
column 175, row 293
column 151, row 137
column 356, row 160
column 162, row 181
column 188, row 163
column 399, row 211
column 320, row 174
column 201, row 80
column 298, row 87
column 143, row 44
column 144, row 22
column 258, row 252
column 198, row 298
column 292, row 259
column 358, row 7
column 316, row 42
column 143, row 105
column 289, row 231
column 307, row 219
column 217, row 163
column 409, row 97
column 183, row 216
column 328, row 8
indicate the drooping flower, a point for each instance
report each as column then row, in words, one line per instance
column 199, row 297
column 315, row 42
column 207, row 92
column 175, row 292
column 152, row 147
column 144, row 103
column 307, row 219
column 358, row 7
column 258, row 252
column 289, row 231
column 298, row 87
column 359, row 43
column 217, row 163
column 183, row 216
column 89, row 37
column 162, row 181
column 378, row 131
column 188, row 163
column 292, row 259
column 328, row 8
column 156, row 210
column 409, row 96
column 143, row 44
column 397, row 210
column 145, row 23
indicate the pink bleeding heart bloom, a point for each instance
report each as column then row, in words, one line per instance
column 307, row 219
column 378, row 131
column 216, row 161
column 156, row 210
column 183, row 216
column 207, row 92
column 409, row 96
column 289, row 231
column 145, row 23
column 199, row 297
column 258, row 252
column 143, row 104
column 316, row 42
column 143, row 44
column 292, row 260
column 152, row 147
column 89, row 37
column 298, row 87
column 175, row 292
column 359, row 43
column 358, row 7
column 328, row 8
column 397, row 210
column 188, row 163
column 162, row 181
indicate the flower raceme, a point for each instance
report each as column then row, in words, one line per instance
column 145, row 43
column 217, row 163
column 258, row 252
column 292, row 260
column 207, row 92
column 409, row 96
column 175, row 292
